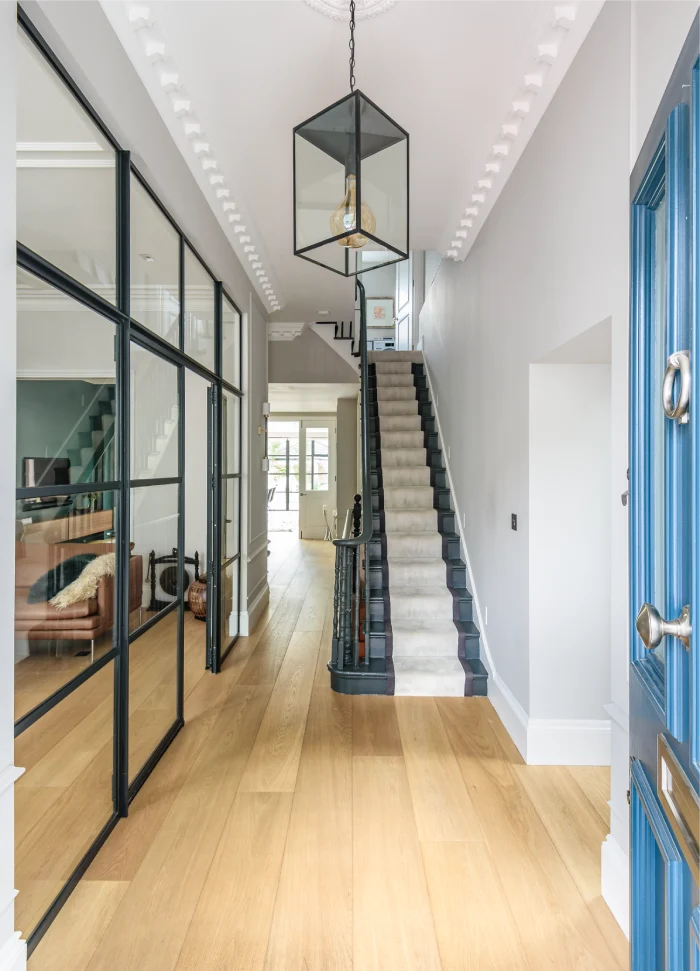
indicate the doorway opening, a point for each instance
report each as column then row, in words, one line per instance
column 283, row 482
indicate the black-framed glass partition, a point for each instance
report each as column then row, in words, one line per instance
column 114, row 306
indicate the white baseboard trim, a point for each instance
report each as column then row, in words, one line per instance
column 13, row 955
column 614, row 879
column 251, row 616
column 510, row 711
column 568, row 741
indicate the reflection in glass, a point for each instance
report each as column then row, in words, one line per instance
column 317, row 458
column 66, row 209
column 155, row 267
column 64, row 798
column 199, row 311
column 231, row 335
column 229, row 603
column 231, row 433
column 65, row 425
column 152, row 688
column 154, row 416
column 154, row 525
column 659, row 359
column 230, row 489
column 64, row 590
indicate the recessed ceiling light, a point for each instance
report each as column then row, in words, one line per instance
column 322, row 313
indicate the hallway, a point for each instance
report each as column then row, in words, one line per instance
column 289, row 827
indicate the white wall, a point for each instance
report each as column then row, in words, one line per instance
column 569, row 520
column 550, row 263
column 12, row 951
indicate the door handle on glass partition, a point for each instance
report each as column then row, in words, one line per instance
column 652, row 628
column 678, row 361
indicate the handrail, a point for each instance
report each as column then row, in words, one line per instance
column 366, row 534
column 349, row 590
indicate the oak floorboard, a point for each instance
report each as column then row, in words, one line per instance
column 151, row 923
column 441, row 802
column 474, row 925
column 393, row 927
column 79, row 927
column 556, row 928
column 312, row 924
column 577, row 831
column 231, row 924
column 375, row 727
column 274, row 761
column 594, row 782
column 322, row 679
column 264, row 663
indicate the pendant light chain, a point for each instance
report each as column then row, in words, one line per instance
column 352, row 45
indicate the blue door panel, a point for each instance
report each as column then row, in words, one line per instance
column 661, row 884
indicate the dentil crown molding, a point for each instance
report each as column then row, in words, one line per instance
column 340, row 9
column 277, row 330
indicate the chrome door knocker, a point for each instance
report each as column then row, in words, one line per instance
column 678, row 361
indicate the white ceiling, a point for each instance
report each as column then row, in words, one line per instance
column 296, row 399
column 446, row 70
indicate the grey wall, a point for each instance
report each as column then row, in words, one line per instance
column 307, row 359
column 346, row 468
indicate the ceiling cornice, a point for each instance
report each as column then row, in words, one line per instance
column 563, row 32
column 277, row 330
column 136, row 27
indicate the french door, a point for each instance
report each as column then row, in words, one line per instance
column 317, row 486
column 664, row 533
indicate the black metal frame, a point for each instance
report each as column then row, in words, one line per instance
column 304, row 250
column 129, row 330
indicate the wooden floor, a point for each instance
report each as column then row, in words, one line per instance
column 292, row 829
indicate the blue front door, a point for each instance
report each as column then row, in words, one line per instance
column 665, row 535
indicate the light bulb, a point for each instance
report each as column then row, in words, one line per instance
column 344, row 217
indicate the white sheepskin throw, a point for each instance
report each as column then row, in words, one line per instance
column 85, row 587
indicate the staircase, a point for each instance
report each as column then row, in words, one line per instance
column 419, row 602
column 88, row 449
column 342, row 337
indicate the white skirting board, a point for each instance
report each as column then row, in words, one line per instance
column 550, row 741
column 13, row 955
column 256, row 605
column 615, row 881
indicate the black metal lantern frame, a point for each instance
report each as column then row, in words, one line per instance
column 351, row 174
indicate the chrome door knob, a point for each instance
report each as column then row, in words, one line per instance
column 652, row 628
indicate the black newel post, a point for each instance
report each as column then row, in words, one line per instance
column 357, row 516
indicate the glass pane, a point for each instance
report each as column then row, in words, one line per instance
column 317, row 459
column 65, row 389
column 152, row 689
column 64, row 797
column 384, row 177
column 660, row 422
column 154, row 416
column 230, row 489
column 229, row 603
column 155, row 267
column 231, row 357
column 66, row 209
column 153, row 655
column 154, row 524
column 283, row 478
column 320, row 177
column 231, row 433
column 199, row 311
column 64, row 591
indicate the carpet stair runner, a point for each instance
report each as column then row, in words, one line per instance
column 417, row 577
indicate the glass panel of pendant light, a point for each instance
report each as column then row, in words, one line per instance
column 351, row 187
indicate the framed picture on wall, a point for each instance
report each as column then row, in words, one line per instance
column 380, row 312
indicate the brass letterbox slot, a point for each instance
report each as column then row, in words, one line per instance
column 680, row 803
